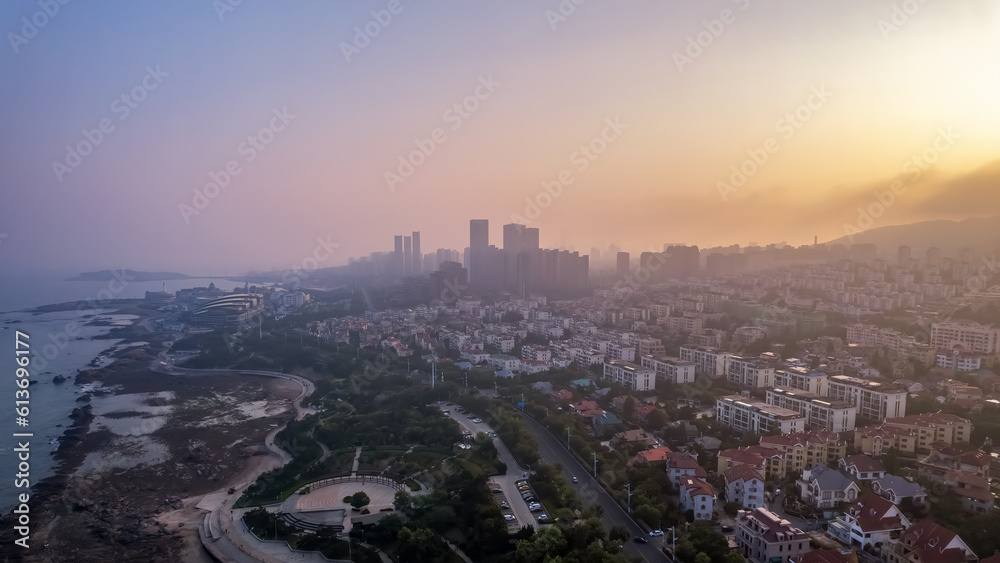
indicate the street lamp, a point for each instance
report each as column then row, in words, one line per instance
column 595, row 464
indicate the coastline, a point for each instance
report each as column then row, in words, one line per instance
column 161, row 512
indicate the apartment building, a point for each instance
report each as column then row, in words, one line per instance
column 707, row 360
column 635, row 377
column 874, row 400
column 748, row 415
column 821, row 413
column 669, row 368
column 974, row 337
column 805, row 450
column 698, row 496
column 913, row 434
column 763, row 537
column 803, row 379
column 749, row 372
column 744, row 486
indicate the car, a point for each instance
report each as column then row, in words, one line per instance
column 534, row 505
column 504, row 505
column 532, row 498
column 497, row 490
column 575, row 480
column 509, row 517
column 727, row 529
column 656, row 533
column 640, row 539
column 477, row 419
column 542, row 517
column 523, row 488
column 447, row 413
column 440, row 402
column 536, row 509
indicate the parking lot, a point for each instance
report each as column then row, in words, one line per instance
column 516, row 507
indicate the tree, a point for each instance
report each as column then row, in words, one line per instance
column 360, row 499
column 619, row 532
column 629, row 406
column 702, row 557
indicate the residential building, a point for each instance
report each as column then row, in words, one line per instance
column 928, row 542
column 670, row 369
column 749, row 372
column 682, row 464
column 805, row 450
column 744, row 486
column 763, row 537
column 899, row 491
column 869, row 521
column 710, row 361
column 875, row 401
column 825, row 488
column 974, row 337
column 652, row 455
column 862, row 467
column 635, row 377
column 821, row 413
column 748, row 415
column 505, row 362
column 768, row 462
column 803, row 379
column 698, row 496
column 913, row 434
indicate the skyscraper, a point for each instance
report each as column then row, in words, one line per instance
column 407, row 257
column 623, row 264
column 397, row 257
column 418, row 258
column 479, row 244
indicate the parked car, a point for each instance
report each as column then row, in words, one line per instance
column 509, row 517
column 656, row 533
column 542, row 517
column 477, row 419
column 497, row 490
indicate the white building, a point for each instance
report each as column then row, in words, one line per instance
column 710, row 361
column 749, row 372
column 744, row 486
column 821, row 413
column 505, row 362
column 698, row 496
column 749, row 415
column 635, row 377
column 973, row 336
column 803, row 379
column 670, row 369
column 874, row 401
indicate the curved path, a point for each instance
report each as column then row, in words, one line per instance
column 223, row 534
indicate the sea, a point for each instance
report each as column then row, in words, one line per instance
column 61, row 345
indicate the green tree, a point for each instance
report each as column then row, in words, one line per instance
column 619, row 533
column 629, row 406
column 360, row 499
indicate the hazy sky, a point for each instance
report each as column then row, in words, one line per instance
column 838, row 96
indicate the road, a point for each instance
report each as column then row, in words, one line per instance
column 552, row 450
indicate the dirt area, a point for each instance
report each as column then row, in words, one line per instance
column 140, row 459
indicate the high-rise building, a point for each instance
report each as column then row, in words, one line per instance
column 903, row 255
column 407, row 257
column 934, row 256
column 623, row 264
column 479, row 244
column 418, row 258
column 397, row 256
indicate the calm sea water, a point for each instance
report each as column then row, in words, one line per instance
column 51, row 403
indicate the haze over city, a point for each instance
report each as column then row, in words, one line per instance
column 836, row 100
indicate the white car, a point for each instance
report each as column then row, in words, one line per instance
column 655, row 533
column 509, row 517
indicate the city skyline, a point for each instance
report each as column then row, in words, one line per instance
column 732, row 121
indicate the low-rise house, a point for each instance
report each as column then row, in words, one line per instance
column 825, row 488
column 683, row 464
column 899, row 491
column 869, row 521
column 605, row 423
column 762, row 537
column 944, row 459
column 973, row 490
column 652, row 455
column 768, row 461
column 862, row 467
column 744, row 486
column 698, row 496
column 632, row 439
column 927, row 542
column 587, row 409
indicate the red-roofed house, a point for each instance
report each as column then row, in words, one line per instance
column 587, row 409
column 862, row 467
column 681, row 464
column 870, row 520
column 698, row 496
column 768, row 461
column 744, row 486
column 927, row 542
column 652, row 455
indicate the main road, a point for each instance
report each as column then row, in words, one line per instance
column 551, row 450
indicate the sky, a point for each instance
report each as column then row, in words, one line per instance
column 243, row 135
